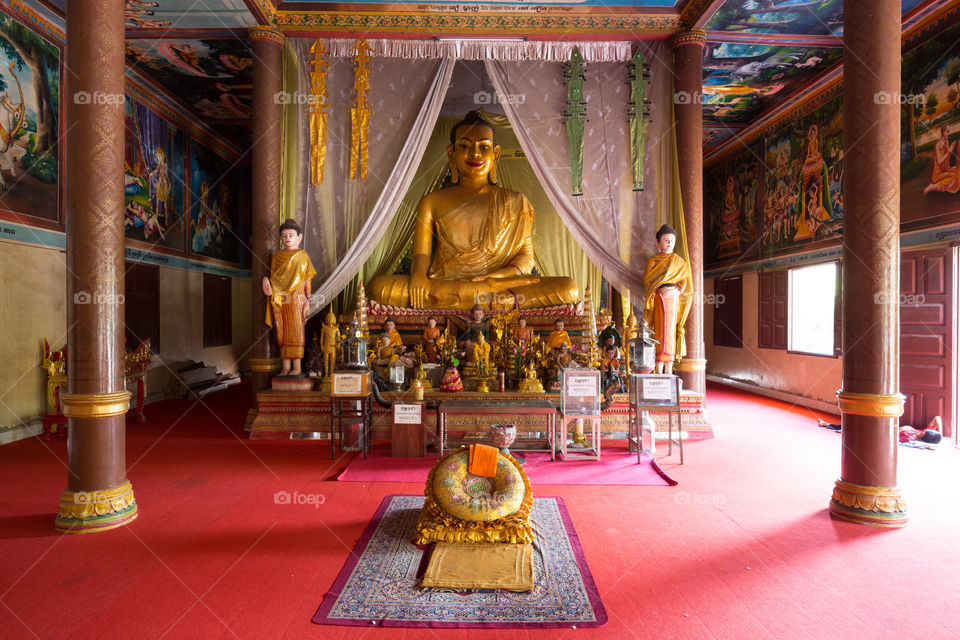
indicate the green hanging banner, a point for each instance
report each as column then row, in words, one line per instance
column 638, row 115
column 575, row 116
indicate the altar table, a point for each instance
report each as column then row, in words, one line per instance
column 499, row 408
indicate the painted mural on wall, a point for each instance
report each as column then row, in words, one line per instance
column 930, row 129
column 29, row 122
column 213, row 76
column 154, row 179
column 214, row 206
column 732, row 202
column 803, row 200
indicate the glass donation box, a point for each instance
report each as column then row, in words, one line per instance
column 580, row 392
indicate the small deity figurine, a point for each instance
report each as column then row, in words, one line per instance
column 558, row 337
column 609, row 335
column 329, row 342
column 386, row 355
column 610, row 367
column 629, row 333
column 390, row 328
column 451, row 378
column 314, row 360
column 430, row 336
column 289, row 290
column 530, row 383
column 667, row 282
column 481, row 355
column 472, row 240
column 521, row 332
column 471, row 327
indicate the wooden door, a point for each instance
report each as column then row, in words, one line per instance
column 928, row 364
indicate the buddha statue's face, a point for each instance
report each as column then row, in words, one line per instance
column 474, row 152
column 390, row 326
column 431, row 322
column 558, row 325
column 290, row 239
column 666, row 242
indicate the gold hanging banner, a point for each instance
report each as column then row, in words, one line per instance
column 318, row 112
column 360, row 112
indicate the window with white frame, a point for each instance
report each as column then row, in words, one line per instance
column 813, row 299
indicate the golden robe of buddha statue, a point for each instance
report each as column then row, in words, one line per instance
column 484, row 251
column 668, row 284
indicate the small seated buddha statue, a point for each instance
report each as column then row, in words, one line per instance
column 484, row 248
column 558, row 337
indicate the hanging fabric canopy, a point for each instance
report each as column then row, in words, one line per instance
column 356, row 229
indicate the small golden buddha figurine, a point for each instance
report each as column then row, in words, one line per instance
column 530, row 383
column 484, row 251
column 481, row 355
column 329, row 342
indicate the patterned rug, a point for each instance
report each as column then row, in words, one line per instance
column 379, row 584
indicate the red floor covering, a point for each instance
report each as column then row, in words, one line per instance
column 741, row 548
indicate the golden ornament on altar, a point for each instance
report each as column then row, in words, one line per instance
column 484, row 250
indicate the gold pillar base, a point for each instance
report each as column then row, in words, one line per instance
column 264, row 365
column 873, row 506
column 92, row 511
column 690, row 364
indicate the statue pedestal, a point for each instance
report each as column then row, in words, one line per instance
column 531, row 385
column 291, row 384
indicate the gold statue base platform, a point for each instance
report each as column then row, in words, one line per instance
column 531, row 385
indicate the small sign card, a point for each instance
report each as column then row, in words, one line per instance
column 347, row 384
column 407, row 414
column 582, row 385
column 658, row 389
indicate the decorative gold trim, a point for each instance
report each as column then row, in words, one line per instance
column 95, row 405
column 429, row 22
column 264, row 365
column 878, row 506
column 90, row 511
column 268, row 34
column 875, row 405
column 691, row 364
column 690, row 36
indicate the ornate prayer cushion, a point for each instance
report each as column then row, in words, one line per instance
column 462, row 507
column 475, row 498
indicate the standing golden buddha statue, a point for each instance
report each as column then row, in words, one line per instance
column 484, row 251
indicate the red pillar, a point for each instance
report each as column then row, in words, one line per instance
column 98, row 495
column 688, row 84
column 869, row 401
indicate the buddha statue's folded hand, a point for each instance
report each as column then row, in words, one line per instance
column 419, row 288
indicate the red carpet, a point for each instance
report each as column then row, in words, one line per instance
column 240, row 539
column 616, row 466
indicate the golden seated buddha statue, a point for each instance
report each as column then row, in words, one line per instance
column 484, row 253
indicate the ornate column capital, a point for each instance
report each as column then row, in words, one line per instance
column 696, row 37
column 266, row 34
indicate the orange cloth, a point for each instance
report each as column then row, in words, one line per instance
column 483, row 460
